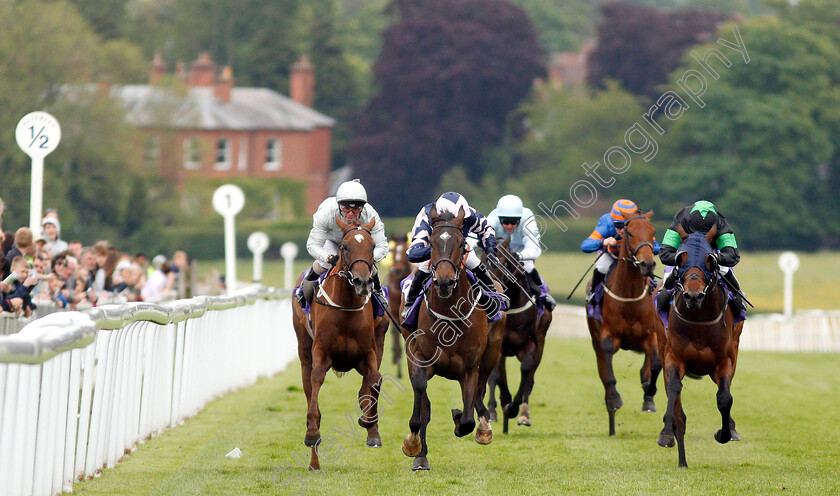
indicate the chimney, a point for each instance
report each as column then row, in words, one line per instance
column 302, row 81
column 202, row 71
column 223, row 86
column 158, row 69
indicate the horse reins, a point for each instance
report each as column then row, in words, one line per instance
column 680, row 288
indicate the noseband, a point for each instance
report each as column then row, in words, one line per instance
column 456, row 266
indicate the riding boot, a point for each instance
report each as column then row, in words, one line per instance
column 414, row 290
column 663, row 300
column 597, row 278
column 670, row 279
column 737, row 302
column 486, row 281
column 548, row 300
column 310, row 281
column 377, row 288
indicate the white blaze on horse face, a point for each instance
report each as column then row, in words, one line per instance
column 445, row 237
column 359, row 238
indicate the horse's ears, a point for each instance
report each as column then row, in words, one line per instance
column 681, row 232
column 711, row 234
column 649, row 215
column 432, row 213
column 369, row 225
column 341, row 224
column 711, row 263
column 461, row 214
column 681, row 256
column 506, row 242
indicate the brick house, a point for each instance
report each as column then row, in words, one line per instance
column 211, row 128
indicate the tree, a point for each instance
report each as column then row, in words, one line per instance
column 640, row 46
column 449, row 73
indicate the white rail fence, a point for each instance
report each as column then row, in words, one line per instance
column 813, row 330
column 78, row 391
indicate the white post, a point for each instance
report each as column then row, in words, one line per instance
column 789, row 263
column 228, row 200
column 37, row 134
column 288, row 251
column 258, row 243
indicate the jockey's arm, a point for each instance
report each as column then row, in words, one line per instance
column 486, row 234
column 595, row 241
column 381, row 250
column 321, row 226
column 531, row 239
column 668, row 251
column 419, row 250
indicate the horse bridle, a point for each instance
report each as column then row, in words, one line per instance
column 710, row 284
column 345, row 267
column 456, row 266
column 635, row 250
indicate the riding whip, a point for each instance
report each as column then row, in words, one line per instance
column 584, row 274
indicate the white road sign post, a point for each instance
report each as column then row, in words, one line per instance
column 228, row 200
column 258, row 243
column 288, row 251
column 37, row 134
column 789, row 263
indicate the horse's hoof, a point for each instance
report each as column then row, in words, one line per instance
column 411, row 445
column 491, row 415
column 464, row 428
column 311, row 441
column 666, row 440
column 734, row 434
column 420, row 463
column 722, row 436
column 648, row 406
column 374, row 442
column 523, row 420
column 614, row 403
column 484, row 436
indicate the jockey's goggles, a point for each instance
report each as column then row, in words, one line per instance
column 509, row 221
column 356, row 205
column 619, row 224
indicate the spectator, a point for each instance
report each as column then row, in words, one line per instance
column 64, row 267
column 129, row 288
column 19, row 284
column 75, row 248
column 23, row 246
column 181, row 266
column 52, row 234
column 6, row 245
column 159, row 286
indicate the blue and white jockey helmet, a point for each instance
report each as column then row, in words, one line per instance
column 351, row 194
column 452, row 202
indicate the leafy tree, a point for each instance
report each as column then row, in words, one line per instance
column 449, row 73
column 639, row 46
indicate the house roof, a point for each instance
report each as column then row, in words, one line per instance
column 248, row 109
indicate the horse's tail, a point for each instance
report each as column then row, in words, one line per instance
column 338, row 374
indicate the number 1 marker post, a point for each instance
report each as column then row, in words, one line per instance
column 37, row 134
column 228, row 200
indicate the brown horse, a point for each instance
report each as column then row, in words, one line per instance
column 524, row 338
column 345, row 334
column 453, row 339
column 399, row 271
column 702, row 339
column 629, row 320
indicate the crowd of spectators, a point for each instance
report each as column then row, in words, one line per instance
column 42, row 268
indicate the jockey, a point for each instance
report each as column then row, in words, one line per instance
column 700, row 217
column 511, row 217
column 605, row 237
column 350, row 201
column 420, row 252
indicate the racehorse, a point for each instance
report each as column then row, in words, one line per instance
column 629, row 318
column 400, row 269
column 453, row 339
column 344, row 334
column 524, row 338
column 702, row 339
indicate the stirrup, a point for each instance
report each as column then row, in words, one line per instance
column 590, row 296
column 549, row 303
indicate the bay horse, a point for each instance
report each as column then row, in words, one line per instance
column 453, row 339
column 629, row 319
column 524, row 338
column 344, row 334
column 702, row 339
column 400, row 269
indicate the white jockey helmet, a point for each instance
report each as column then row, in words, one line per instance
column 351, row 194
column 509, row 206
column 452, row 202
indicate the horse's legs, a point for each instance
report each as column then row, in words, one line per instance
column 397, row 351
column 380, row 330
column 412, row 445
column 420, row 461
column 605, row 347
column 369, row 398
column 723, row 378
column 680, row 422
column 649, row 373
column 320, row 365
column 674, row 417
column 465, row 419
column 492, row 381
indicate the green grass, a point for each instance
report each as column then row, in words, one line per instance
column 785, row 406
column 814, row 282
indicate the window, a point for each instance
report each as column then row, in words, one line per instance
column 222, row 154
column 192, row 154
column 273, row 155
column 151, row 153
